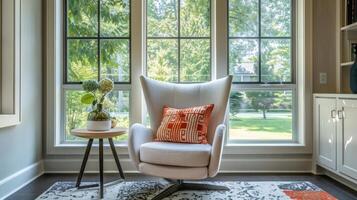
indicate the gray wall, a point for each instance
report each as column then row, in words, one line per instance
column 21, row 146
column 324, row 42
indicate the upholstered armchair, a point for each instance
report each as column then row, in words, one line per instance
column 181, row 161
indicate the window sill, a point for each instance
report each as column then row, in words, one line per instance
column 229, row 145
column 291, row 144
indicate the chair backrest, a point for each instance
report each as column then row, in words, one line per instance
column 158, row 94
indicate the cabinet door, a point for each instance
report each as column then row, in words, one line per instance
column 325, row 128
column 347, row 137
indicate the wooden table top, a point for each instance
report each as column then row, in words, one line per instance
column 84, row 133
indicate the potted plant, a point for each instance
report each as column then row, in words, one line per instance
column 95, row 94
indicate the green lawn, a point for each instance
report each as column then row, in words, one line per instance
column 251, row 127
column 255, row 128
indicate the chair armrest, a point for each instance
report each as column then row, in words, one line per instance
column 138, row 135
column 216, row 152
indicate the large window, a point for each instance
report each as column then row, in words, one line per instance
column 178, row 48
column 260, row 43
column 179, row 40
column 96, row 46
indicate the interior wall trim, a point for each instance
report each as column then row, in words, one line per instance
column 19, row 179
column 245, row 164
column 237, row 165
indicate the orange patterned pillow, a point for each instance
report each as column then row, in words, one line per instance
column 188, row 125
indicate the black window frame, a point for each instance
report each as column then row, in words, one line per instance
column 178, row 38
column 260, row 38
column 98, row 38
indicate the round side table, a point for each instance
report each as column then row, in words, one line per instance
column 100, row 135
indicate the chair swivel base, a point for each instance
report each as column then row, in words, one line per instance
column 180, row 185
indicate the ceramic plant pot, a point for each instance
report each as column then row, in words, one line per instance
column 99, row 125
column 99, row 120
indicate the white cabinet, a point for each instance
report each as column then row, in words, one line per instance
column 325, row 113
column 347, row 137
column 335, row 127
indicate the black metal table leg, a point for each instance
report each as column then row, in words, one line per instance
column 101, row 167
column 84, row 162
column 115, row 155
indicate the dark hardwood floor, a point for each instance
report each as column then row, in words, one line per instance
column 41, row 184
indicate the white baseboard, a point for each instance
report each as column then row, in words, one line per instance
column 21, row 178
column 16, row 181
column 266, row 165
column 244, row 165
column 73, row 165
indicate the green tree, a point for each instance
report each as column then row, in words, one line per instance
column 235, row 102
column 275, row 26
column 82, row 55
column 163, row 56
column 82, row 21
column 75, row 111
column 283, row 100
column 261, row 101
column 164, row 60
column 243, row 18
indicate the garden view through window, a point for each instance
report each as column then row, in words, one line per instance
column 179, row 40
column 97, row 46
column 260, row 60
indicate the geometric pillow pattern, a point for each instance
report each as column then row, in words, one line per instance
column 187, row 125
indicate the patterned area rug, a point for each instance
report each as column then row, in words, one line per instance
column 147, row 189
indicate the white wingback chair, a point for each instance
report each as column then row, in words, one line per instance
column 180, row 161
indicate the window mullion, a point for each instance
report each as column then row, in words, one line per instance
column 179, row 40
column 65, row 29
column 210, row 41
column 260, row 40
column 98, row 39
column 138, row 60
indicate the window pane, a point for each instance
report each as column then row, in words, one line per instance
column 195, row 60
column 82, row 17
column 117, row 104
column 195, row 18
column 243, row 18
column 162, row 17
column 114, row 18
column 162, row 59
column 244, row 60
column 261, row 115
column 276, row 18
column 75, row 113
column 276, row 60
column 114, row 60
column 82, row 60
